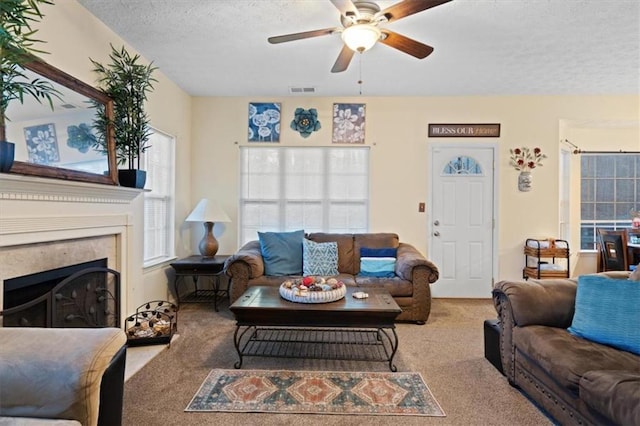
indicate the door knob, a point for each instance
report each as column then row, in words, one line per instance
column 437, row 234
column 436, row 223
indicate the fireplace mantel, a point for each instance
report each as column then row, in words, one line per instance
column 19, row 187
column 52, row 221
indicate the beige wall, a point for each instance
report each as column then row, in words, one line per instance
column 73, row 36
column 397, row 133
column 209, row 130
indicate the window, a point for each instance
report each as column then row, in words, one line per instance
column 315, row 189
column 159, row 161
column 462, row 166
column 610, row 190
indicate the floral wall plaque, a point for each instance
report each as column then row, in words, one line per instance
column 348, row 123
column 80, row 137
column 264, row 122
column 42, row 144
column 305, row 121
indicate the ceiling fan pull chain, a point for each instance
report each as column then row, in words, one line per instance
column 360, row 66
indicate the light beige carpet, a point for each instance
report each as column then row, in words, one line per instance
column 448, row 352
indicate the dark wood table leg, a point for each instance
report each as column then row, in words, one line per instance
column 237, row 342
column 393, row 342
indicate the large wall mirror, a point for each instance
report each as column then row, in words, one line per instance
column 58, row 142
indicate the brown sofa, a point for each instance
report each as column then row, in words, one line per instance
column 575, row 380
column 409, row 288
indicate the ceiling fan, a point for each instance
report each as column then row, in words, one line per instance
column 362, row 27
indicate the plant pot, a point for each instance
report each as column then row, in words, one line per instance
column 7, row 154
column 132, row 178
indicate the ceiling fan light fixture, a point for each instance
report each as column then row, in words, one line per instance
column 361, row 37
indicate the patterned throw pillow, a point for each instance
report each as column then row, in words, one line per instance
column 319, row 258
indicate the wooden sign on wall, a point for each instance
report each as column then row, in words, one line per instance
column 464, row 130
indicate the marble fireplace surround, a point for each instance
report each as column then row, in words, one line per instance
column 49, row 223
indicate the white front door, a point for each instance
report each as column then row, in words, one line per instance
column 462, row 220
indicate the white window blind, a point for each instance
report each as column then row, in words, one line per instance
column 159, row 162
column 321, row 189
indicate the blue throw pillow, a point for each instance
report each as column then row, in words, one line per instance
column 319, row 258
column 607, row 312
column 281, row 252
column 380, row 267
column 378, row 252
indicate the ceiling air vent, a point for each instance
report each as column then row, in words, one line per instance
column 302, row 90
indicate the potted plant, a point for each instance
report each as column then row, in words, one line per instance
column 16, row 49
column 127, row 82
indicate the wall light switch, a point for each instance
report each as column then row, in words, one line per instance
column 421, row 207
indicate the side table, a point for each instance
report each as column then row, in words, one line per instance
column 197, row 267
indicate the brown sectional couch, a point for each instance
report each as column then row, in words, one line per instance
column 575, row 380
column 409, row 288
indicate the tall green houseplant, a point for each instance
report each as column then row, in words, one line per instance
column 127, row 82
column 17, row 47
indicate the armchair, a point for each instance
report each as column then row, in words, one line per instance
column 69, row 376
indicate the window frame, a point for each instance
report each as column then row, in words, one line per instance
column 169, row 197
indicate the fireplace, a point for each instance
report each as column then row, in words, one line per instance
column 86, row 294
column 51, row 223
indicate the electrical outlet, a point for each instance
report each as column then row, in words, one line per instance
column 421, row 207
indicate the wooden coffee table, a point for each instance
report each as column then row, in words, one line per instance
column 353, row 329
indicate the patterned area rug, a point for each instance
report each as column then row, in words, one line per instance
column 316, row 392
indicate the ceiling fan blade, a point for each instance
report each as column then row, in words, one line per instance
column 346, row 8
column 405, row 44
column 344, row 58
column 408, row 7
column 300, row 36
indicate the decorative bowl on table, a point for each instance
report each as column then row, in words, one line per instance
column 313, row 290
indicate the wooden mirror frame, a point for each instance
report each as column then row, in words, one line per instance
column 58, row 76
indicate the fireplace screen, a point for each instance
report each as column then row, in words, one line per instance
column 87, row 298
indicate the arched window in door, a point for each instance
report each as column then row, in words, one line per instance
column 462, row 166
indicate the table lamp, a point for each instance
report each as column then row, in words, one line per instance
column 208, row 212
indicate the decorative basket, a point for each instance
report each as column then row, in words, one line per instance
column 295, row 295
column 153, row 323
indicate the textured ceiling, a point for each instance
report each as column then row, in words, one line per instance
column 482, row 47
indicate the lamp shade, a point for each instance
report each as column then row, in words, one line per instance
column 361, row 37
column 207, row 211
